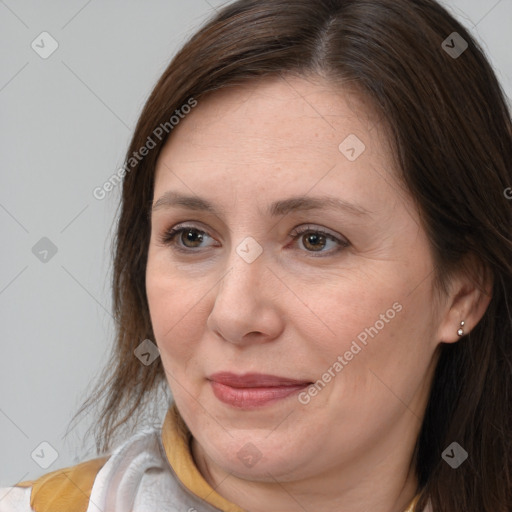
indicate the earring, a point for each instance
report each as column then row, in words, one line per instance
column 460, row 332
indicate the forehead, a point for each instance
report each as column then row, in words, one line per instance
column 283, row 131
column 269, row 109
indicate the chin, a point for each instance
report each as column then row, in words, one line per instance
column 253, row 455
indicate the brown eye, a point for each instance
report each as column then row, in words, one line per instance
column 184, row 238
column 314, row 241
column 191, row 237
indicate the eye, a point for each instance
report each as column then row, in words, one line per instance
column 188, row 238
column 315, row 239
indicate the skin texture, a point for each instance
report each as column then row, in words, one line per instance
column 294, row 310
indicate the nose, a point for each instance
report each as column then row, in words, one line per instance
column 248, row 303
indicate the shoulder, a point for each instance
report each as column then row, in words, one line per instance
column 67, row 489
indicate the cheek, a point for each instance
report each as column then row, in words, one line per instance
column 359, row 308
column 177, row 312
column 375, row 324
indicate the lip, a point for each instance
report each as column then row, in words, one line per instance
column 252, row 390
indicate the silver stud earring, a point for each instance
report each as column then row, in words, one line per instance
column 460, row 332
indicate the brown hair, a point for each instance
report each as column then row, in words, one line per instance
column 450, row 127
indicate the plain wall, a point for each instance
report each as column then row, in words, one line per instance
column 66, row 122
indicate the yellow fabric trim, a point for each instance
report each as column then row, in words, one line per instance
column 176, row 439
column 410, row 508
column 64, row 490
column 26, row 483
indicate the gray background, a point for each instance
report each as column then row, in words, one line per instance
column 66, row 122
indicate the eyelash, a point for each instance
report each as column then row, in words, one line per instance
column 168, row 238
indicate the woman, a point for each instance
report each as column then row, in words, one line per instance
column 315, row 232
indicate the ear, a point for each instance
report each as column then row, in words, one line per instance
column 469, row 294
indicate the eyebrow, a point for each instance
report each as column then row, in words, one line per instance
column 172, row 199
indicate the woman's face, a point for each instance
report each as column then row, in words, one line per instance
column 294, row 313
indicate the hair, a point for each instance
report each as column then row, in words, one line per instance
column 451, row 133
